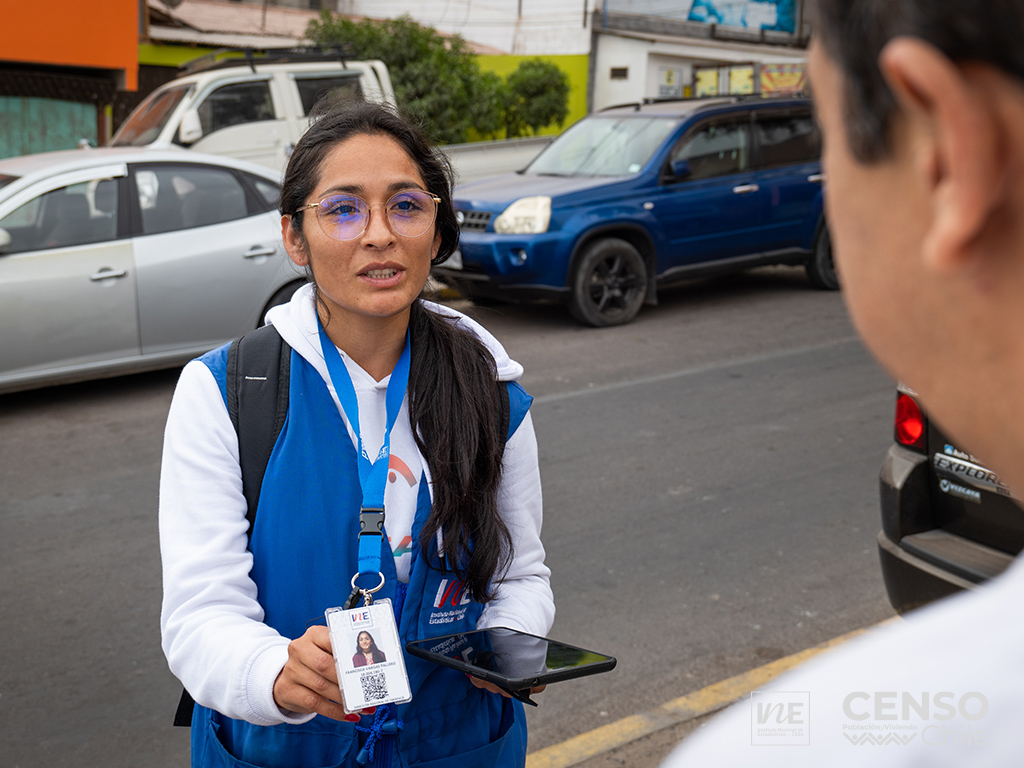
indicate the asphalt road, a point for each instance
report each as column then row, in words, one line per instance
column 710, row 479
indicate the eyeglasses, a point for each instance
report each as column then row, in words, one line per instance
column 409, row 213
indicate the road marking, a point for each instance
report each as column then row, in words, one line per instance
column 693, row 705
column 698, row 369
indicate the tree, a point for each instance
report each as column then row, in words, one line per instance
column 436, row 79
column 538, row 95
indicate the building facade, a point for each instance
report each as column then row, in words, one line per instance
column 638, row 49
column 57, row 80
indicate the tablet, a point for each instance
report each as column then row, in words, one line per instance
column 513, row 660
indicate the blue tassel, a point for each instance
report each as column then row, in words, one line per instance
column 382, row 726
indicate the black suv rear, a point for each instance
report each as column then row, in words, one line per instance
column 948, row 523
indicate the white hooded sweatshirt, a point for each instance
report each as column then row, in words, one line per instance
column 211, row 622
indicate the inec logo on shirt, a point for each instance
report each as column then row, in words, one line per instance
column 451, row 602
column 780, row 718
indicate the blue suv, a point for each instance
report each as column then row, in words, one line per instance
column 633, row 198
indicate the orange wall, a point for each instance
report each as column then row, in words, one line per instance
column 79, row 33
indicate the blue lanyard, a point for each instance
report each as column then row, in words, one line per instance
column 373, row 475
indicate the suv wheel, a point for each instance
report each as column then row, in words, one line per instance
column 609, row 284
column 821, row 269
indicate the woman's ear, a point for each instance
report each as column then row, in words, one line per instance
column 952, row 130
column 294, row 242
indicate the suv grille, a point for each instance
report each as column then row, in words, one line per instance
column 473, row 221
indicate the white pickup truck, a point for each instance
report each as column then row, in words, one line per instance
column 254, row 110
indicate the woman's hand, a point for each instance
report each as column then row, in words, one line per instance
column 486, row 686
column 309, row 681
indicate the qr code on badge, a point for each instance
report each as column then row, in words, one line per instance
column 375, row 686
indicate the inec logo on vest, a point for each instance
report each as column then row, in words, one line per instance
column 450, row 603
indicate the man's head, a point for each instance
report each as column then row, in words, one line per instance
column 921, row 104
column 854, row 33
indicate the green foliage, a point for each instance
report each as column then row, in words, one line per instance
column 538, row 95
column 436, row 79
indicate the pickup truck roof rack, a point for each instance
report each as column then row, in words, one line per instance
column 253, row 56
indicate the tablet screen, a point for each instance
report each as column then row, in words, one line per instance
column 512, row 655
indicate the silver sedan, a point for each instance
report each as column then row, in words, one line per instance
column 118, row 260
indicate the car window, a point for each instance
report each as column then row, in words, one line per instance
column 184, row 197
column 78, row 214
column 236, row 104
column 338, row 89
column 149, row 118
column 268, row 192
column 715, row 149
column 604, row 146
column 786, row 140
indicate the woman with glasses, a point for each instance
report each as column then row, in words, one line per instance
column 375, row 371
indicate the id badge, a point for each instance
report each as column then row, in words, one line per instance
column 368, row 656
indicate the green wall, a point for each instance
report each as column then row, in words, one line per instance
column 29, row 125
column 172, row 55
column 576, row 67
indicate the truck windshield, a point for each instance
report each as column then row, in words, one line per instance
column 147, row 120
column 604, row 146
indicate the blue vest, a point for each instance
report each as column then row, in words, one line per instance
column 304, row 553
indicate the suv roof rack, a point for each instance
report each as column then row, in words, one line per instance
column 736, row 97
column 649, row 100
column 253, row 56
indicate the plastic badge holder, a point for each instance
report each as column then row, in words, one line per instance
column 376, row 677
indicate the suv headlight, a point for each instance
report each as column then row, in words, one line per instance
column 526, row 216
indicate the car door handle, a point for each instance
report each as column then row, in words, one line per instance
column 745, row 189
column 816, row 178
column 106, row 274
column 259, row 250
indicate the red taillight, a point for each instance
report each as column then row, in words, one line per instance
column 909, row 422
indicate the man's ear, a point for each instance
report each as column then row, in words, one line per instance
column 294, row 242
column 952, row 130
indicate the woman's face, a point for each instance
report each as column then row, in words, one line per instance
column 364, row 641
column 379, row 273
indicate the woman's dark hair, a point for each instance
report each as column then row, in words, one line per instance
column 454, row 402
column 854, row 32
column 454, row 407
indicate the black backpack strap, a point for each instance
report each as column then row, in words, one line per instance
column 258, row 370
column 183, row 715
column 505, row 411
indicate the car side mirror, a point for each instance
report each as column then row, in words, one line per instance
column 681, row 169
column 5, row 240
column 191, row 129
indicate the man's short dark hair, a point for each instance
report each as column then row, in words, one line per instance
column 853, row 33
